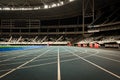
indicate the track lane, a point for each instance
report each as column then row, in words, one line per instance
column 72, row 68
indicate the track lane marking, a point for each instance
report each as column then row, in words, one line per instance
column 36, row 60
column 103, row 69
column 17, row 56
column 4, row 54
column 58, row 66
column 112, row 55
column 23, row 64
column 43, row 64
column 96, row 54
column 108, row 58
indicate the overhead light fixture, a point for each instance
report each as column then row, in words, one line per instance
column 58, row 4
column 6, row 8
column 54, row 5
column 61, row 2
column 37, row 7
column 71, row 0
column 46, row 6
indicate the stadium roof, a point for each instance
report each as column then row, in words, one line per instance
column 67, row 8
column 31, row 4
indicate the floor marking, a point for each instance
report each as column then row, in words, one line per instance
column 59, row 74
column 8, row 54
column 113, row 55
column 105, row 70
column 16, row 57
column 14, row 52
column 31, row 66
column 42, row 59
column 43, row 64
column 25, row 61
column 95, row 54
column 107, row 58
column 22, row 65
column 13, row 58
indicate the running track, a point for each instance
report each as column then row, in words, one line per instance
column 60, row 63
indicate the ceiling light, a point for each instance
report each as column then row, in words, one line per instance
column 61, row 2
column 71, row 0
column 6, row 8
column 54, row 5
column 46, row 6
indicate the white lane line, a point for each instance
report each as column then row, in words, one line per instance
column 13, row 58
column 96, row 54
column 31, row 66
column 103, row 69
column 25, row 61
column 107, row 58
column 43, row 64
column 22, row 65
column 59, row 74
column 16, row 52
column 17, row 57
column 42, row 59
column 8, row 54
column 114, row 55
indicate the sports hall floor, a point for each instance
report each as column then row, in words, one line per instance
column 60, row 63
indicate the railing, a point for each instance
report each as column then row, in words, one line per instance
column 104, row 27
column 33, row 43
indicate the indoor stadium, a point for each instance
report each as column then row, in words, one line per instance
column 59, row 39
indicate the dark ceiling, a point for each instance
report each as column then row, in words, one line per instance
column 67, row 10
